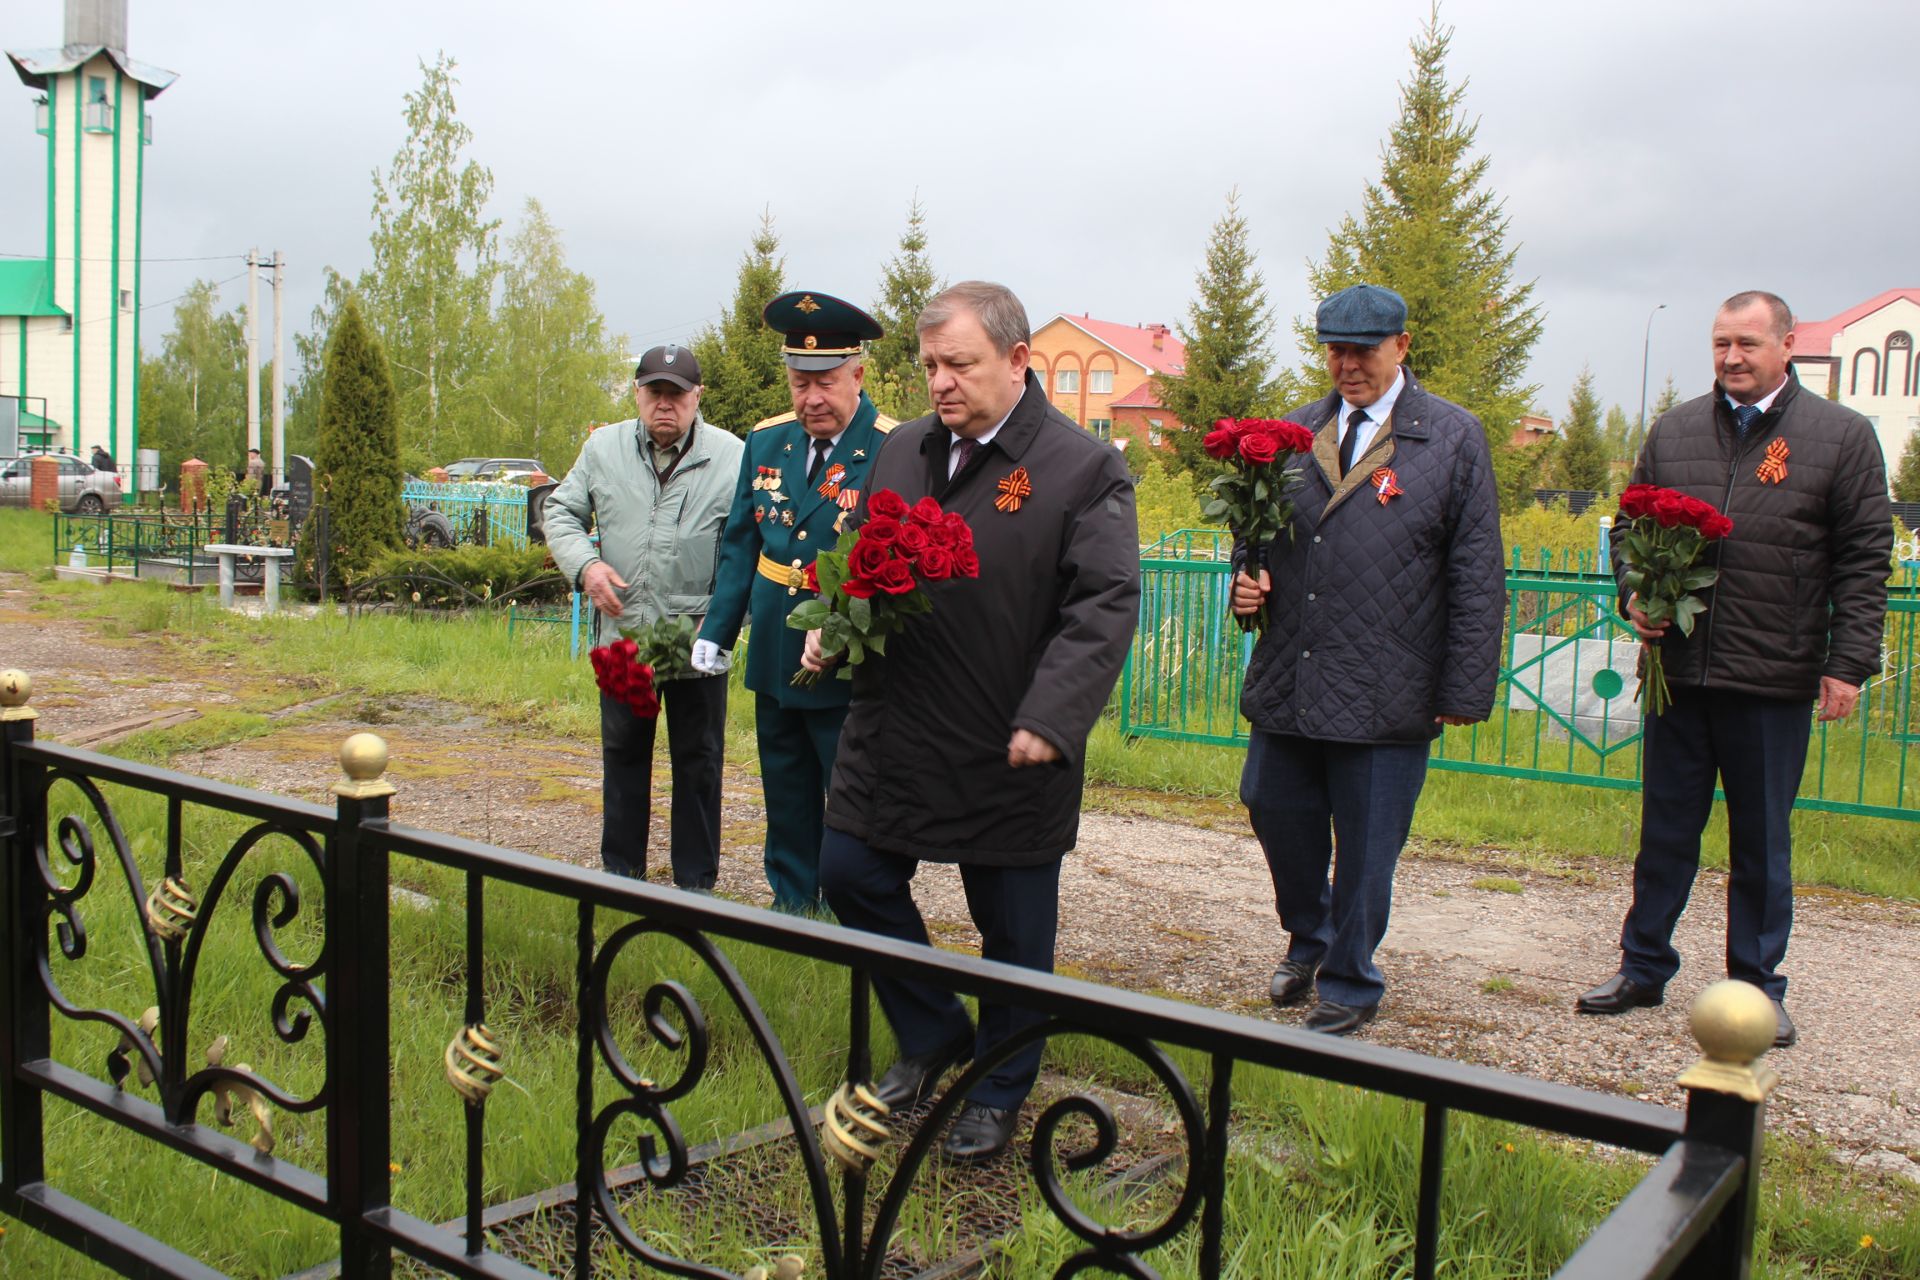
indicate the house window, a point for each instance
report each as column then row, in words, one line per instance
column 42, row 116
column 126, row 299
column 1153, row 431
column 1102, row 428
column 1066, row 382
column 1100, row 382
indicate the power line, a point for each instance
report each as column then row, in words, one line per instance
column 114, row 315
column 216, row 257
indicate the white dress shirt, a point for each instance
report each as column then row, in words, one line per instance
column 1764, row 403
column 982, row 440
column 1377, row 412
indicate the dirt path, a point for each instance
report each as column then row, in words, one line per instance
column 1476, row 970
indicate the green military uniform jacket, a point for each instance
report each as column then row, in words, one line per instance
column 778, row 523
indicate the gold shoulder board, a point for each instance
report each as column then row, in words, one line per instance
column 883, row 424
column 764, row 423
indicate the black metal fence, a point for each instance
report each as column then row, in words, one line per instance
column 1694, row 1212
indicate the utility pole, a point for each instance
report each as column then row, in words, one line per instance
column 253, row 349
column 279, row 372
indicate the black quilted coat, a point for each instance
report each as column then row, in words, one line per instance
column 1803, row 577
column 1384, row 615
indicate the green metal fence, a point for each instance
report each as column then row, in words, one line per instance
column 118, row 541
column 1566, row 709
column 489, row 514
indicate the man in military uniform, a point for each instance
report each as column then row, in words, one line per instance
column 801, row 474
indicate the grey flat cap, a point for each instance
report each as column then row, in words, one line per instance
column 1364, row 315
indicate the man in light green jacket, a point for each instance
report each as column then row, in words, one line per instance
column 658, row 488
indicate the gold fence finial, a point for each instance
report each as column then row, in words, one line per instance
column 790, row 1267
column 853, row 1132
column 1733, row 1023
column 473, row 1059
column 16, row 687
column 363, row 758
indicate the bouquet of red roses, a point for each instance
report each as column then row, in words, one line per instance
column 624, row 678
column 1661, row 549
column 1251, row 500
column 870, row 584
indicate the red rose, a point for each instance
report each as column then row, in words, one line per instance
column 936, row 564
column 884, row 530
column 1669, row 509
column 1716, row 526
column 1220, row 441
column 1637, row 500
column 858, row 588
column 887, row 503
column 965, row 563
column 866, row 558
column 1293, row 437
column 957, row 525
column 598, row 657
column 644, row 704
column 627, row 649
column 941, row 535
column 926, row 511
column 914, row 540
column 810, row 579
column 1259, row 447
column 1698, row 512
column 895, row 578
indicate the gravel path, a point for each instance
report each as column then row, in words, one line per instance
column 1482, row 962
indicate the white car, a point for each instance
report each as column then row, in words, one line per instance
column 83, row 489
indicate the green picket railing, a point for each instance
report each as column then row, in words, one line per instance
column 1566, row 708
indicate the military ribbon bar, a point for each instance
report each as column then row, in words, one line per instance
column 1774, row 469
column 1014, row 489
column 1385, row 484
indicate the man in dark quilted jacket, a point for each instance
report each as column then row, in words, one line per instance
column 1794, row 621
column 1385, row 607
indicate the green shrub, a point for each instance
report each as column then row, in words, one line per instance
column 484, row 571
column 357, row 464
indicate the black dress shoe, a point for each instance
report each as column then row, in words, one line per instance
column 1340, row 1019
column 1784, row 1033
column 1619, row 994
column 908, row 1081
column 981, row 1133
column 1292, row 983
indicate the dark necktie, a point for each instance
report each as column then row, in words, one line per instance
column 1354, row 420
column 820, row 450
column 967, row 448
column 1744, row 416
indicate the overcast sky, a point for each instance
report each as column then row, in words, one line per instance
column 1671, row 151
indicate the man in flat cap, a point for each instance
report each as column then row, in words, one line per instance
column 1385, row 607
column 800, row 475
column 658, row 487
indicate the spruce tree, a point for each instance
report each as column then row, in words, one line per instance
column 1582, row 456
column 357, row 465
column 908, row 283
column 1431, row 230
column 740, row 364
column 1227, row 334
column 1906, row 480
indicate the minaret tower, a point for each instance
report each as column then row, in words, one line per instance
column 70, row 323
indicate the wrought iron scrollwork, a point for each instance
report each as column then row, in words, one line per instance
column 174, row 924
column 664, row 1148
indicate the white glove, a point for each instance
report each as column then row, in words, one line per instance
column 707, row 658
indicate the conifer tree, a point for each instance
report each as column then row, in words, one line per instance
column 740, row 363
column 1669, row 397
column 1906, row 480
column 1433, row 231
column 1582, row 456
column 1227, row 335
column 356, row 464
column 907, row 284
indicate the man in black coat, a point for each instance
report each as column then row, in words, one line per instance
column 966, row 742
column 1385, row 604
column 1795, row 619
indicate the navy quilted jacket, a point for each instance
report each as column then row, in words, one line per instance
column 1384, row 615
column 1803, row 577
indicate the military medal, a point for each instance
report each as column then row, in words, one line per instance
column 1774, row 469
column 848, row 499
column 1014, row 489
column 1385, row 483
column 759, row 514
column 830, row 486
column 786, row 517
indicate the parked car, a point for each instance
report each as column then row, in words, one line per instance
column 494, row 468
column 83, row 488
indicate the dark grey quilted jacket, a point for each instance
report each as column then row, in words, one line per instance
column 1384, row 615
column 1803, row 577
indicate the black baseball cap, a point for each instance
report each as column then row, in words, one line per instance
column 669, row 364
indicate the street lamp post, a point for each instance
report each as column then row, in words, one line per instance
column 1646, row 345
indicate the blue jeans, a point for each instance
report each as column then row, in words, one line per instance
column 1315, row 803
column 1758, row 749
column 1016, row 909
